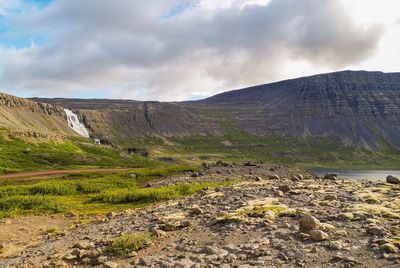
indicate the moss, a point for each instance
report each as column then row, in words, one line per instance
column 128, row 243
column 90, row 194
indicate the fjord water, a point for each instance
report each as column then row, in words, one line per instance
column 358, row 174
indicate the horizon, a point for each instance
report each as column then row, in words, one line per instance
column 186, row 49
column 189, row 100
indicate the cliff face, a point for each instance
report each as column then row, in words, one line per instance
column 127, row 119
column 356, row 108
column 33, row 118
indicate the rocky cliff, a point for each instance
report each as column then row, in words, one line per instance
column 126, row 119
column 355, row 108
column 31, row 118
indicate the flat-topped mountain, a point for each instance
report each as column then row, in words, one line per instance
column 355, row 108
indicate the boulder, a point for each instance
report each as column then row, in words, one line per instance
column 393, row 180
column 308, row 223
column 284, row 188
column 274, row 177
column 196, row 210
column 331, row 176
column 389, row 248
column 318, row 235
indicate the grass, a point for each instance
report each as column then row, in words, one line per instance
column 87, row 194
column 17, row 155
column 128, row 243
column 303, row 153
column 150, row 195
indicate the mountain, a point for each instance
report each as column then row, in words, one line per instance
column 122, row 120
column 32, row 118
column 352, row 108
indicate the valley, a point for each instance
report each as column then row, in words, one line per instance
column 123, row 183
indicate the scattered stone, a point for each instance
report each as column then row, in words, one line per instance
column 389, row 248
column 110, row 264
column 376, row 231
column 111, row 215
column 330, row 197
column 346, row 216
column 308, row 223
column 318, row 235
column 284, row 188
column 131, row 176
column 196, row 210
column 274, row 177
column 158, row 233
column 331, row 176
column 393, row 180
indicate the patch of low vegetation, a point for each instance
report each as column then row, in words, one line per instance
column 51, row 230
column 303, row 153
column 17, row 155
column 150, row 195
column 87, row 194
column 128, row 243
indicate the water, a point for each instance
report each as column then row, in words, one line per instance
column 75, row 124
column 358, row 174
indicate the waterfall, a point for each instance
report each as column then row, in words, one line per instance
column 73, row 122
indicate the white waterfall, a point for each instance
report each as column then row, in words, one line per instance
column 73, row 122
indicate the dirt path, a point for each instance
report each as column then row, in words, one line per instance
column 48, row 173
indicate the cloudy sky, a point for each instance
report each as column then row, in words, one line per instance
column 187, row 49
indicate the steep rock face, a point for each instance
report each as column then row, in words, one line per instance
column 356, row 108
column 26, row 116
column 127, row 119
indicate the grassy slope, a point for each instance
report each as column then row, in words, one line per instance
column 237, row 145
column 17, row 155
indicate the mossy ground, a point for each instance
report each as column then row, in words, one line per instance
column 128, row 243
column 17, row 155
column 91, row 194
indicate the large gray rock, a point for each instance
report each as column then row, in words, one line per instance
column 392, row 179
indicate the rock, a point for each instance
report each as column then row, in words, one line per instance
column 111, row 215
column 331, row 176
column 169, row 227
column 212, row 250
column 330, row 197
column 392, row 180
column 346, row 216
column 300, row 176
column 2, row 246
column 131, row 176
column 274, row 177
column 195, row 175
column 102, row 259
column 184, row 263
column 158, row 233
column 110, row 264
column 376, row 231
column 185, row 224
column 294, row 179
column 196, row 210
column 258, row 178
column 389, row 248
column 284, row 188
column 318, row 235
column 308, row 223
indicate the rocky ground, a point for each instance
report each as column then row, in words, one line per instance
column 273, row 217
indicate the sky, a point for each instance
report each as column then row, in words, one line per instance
column 173, row 50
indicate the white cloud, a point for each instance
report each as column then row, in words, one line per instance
column 132, row 50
